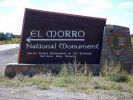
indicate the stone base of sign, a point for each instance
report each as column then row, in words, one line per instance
column 14, row 69
column 128, row 67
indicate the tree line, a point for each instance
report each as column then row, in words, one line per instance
column 7, row 36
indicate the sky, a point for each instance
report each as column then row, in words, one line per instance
column 117, row 12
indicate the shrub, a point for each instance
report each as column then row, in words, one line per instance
column 110, row 68
column 118, row 77
column 114, row 72
column 75, row 69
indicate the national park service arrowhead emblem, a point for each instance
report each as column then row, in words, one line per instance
column 118, row 43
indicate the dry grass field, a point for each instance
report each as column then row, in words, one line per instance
column 111, row 80
column 11, row 41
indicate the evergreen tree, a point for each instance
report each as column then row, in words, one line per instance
column 115, row 42
column 2, row 36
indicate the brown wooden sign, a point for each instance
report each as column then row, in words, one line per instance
column 56, row 38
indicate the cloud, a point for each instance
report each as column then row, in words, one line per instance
column 130, row 14
column 125, row 5
column 96, row 3
column 60, row 7
column 92, row 7
column 11, row 21
column 117, row 20
column 15, row 3
column 12, row 11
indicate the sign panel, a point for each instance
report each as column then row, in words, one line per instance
column 57, row 38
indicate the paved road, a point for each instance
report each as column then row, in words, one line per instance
column 8, row 46
column 8, row 54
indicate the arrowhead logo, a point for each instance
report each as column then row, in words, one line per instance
column 118, row 43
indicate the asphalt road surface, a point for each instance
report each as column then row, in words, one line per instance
column 8, row 54
column 8, row 46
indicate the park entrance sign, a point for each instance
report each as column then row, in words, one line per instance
column 57, row 38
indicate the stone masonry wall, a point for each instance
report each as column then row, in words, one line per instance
column 108, row 56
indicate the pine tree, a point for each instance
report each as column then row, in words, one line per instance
column 115, row 42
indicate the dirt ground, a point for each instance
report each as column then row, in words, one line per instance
column 31, row 93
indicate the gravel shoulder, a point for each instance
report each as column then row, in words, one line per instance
column 31, row 93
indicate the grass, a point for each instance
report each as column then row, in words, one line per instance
column 114, row 72
column 72, row 83
column 76, row 80
column 10, row 41
column 20, row 81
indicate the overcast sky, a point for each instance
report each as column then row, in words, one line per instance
column 117, row 12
